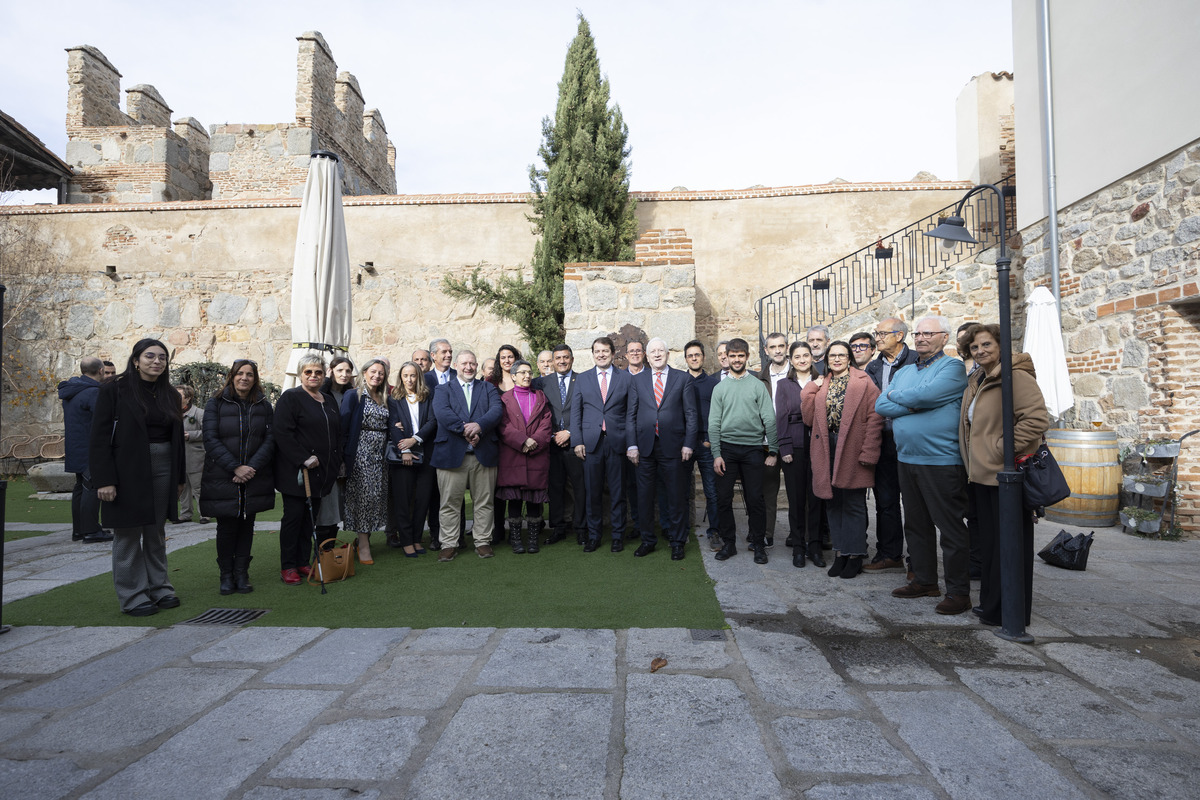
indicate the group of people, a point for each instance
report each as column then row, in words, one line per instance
column 372, row 451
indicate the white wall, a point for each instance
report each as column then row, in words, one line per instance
column 1126, row 83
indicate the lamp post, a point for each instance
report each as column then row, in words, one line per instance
column 952, row 231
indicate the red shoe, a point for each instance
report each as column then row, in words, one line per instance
column 304, row 570
column 291, row 577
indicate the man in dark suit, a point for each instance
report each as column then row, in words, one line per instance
column 662, row 423
column 774, row 370
column 466, row 453
column 693, row 353
column 598, row 436
column 440, row 356
column 566, row 471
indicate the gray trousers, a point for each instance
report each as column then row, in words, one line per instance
column 936, row 496
column 139, row 555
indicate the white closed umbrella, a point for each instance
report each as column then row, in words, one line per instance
column 1044, row 344
column 321, row 314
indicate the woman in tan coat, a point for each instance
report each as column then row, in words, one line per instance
column 981, row 440
column 839, row 409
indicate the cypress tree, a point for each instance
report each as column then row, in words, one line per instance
column 580, row 206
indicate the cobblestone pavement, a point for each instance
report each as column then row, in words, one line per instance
column 821, row 688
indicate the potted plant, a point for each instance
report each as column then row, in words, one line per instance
column 881, row 251
column 1146, row 485
column 1159, row 448
column 1142, row 520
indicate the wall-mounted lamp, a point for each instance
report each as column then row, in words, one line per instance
column 367, row 267
column 820, row 284
column 111, row 271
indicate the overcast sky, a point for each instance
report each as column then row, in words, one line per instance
column 717, row 95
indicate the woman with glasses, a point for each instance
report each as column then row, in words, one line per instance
column 368, row 414
column 308, row 439
column 237, row 481
column 839, row 408
column 524, row 473
column 804, row 535
column 137, row 462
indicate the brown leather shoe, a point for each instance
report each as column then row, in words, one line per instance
column 911, row 590
column 484, row 551
column 882, row 564
column 446, row 554
column 954, row 604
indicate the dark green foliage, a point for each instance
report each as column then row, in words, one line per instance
column 205, row 377
column 581, row 206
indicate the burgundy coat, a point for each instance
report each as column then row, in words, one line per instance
column 858, row 439
column 530, row 471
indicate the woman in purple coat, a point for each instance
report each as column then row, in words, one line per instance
column 524, row 473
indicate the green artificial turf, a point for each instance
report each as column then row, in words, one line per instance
column 559, row 587
column 19, row 508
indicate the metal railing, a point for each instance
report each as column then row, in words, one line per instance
column 891, row 266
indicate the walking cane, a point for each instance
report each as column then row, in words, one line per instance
column 312, row 518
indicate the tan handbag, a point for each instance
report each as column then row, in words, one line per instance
column 334, row 562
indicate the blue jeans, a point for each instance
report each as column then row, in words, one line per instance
column 708, row 480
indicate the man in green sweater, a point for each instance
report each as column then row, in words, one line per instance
column 741, row 420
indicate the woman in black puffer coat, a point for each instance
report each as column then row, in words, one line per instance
column 238, row 481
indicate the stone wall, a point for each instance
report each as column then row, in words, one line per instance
column 653, row 296
column 131, row 157
column 1129, row 261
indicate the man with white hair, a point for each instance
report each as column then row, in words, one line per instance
column 923, row 401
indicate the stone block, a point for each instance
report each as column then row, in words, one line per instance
column 210, row 758
column 273, row 143
column 226, row 309
column 601, row 297
column 1087, row 339
column 221, row 143
column 218, row 162
column 1131, row 392
column 625, row 274
column 991, row 762
column 883, row 661
column 301, row 141
column 170, row 316
column 552, row 658
column 563, row 742
column 774, row 657
column 864, row 791
column 671, row 718
column 258, row 645
column 338, row 658
column 1188, row 229
column 1147, row 244
column 423, row 681
column 571, row 302
column 44, row 777
column 445, row 640
column 645, row 295
column 69, row 649
column 1085, row 259
column 839, row 745
column 1089, row 385
column 369, row 749
column 290, row 793
column 680, row 298
column 676, row 328
column 679, row 277
column 677, row 646
column 51, row 476
column 82, row 154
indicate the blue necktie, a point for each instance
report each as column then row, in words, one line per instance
column 562, row 389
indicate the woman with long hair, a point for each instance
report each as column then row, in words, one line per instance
column 410, row 477
column 237, row 482
column 524, row 474
column 846, row 433
column 804, row 535
column 501, row 376
column 137, row 461
column 308, row 438
column 333, row 509
column 368, row 414
column 981, row 440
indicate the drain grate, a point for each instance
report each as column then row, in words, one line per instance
column 226, row 616
column 702, row 635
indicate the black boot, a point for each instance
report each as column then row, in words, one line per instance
column 241, row 574
column 536, row 525
column 515, row 534
column 814, row 554
column 226, row 567
column 839, row 564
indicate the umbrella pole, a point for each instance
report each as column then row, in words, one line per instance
column 312, row 518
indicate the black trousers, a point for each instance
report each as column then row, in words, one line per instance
column 235, row 536
column 660, row 476
column 744, row 463
column 889, row 525
column 803, row 508
column 935, row 502
column 566, row 490
column 410, row 490
column 296, row 532
column 987, row 505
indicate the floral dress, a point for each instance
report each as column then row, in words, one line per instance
column 366, row 486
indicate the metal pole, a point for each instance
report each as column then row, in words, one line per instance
column 1048, row 154
column 3, row 484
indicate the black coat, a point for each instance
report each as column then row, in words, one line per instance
column 236, row 434
column 119, row 454
column 875, row 366
column 305, row 428
column 78, row 396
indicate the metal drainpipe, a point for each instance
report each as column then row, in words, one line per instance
column 1048, row 153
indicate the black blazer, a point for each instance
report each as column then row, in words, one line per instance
column 560, row 413
column 304, row 428
column 427, row 427
column 119, row 455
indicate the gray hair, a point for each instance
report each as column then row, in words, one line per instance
column 898, row 325
column 433, row 345
column 520, row 362
column 823, row 329
column 90, row 366
column 660, row 341
column 942, row 323
column 307, row 361
column 462, row 353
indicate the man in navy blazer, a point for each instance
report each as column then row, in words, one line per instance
column 566, row 471
column 441, row 355
column 466, row 453
column 662, row 422
column 598, row 436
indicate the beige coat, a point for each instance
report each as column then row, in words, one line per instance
column 982, row 441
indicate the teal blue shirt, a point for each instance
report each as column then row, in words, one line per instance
column 923, row 401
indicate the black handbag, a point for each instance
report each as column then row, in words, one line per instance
column 1044, row 482
column 396, row 458
column 1067, row 551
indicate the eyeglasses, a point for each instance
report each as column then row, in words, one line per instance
column 929, row 334
column 832, row 356
column 860, row 347
column 881, row 334
column 314, row 372
column 154, row 356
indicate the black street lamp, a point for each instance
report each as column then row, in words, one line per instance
column 952, row 231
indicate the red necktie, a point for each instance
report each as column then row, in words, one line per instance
column 603, row 396
column 658, row 393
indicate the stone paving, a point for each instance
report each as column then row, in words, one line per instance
column 820, row 688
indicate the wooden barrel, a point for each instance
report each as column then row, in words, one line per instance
column 1090, row 461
